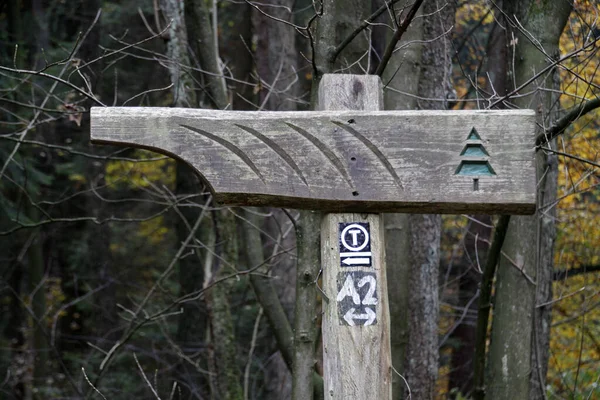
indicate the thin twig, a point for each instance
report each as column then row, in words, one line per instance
column 409, row 397
column 133, row 327
column 58, row 312
column 95, row 220
column 548, row 303
column 173, row 391
column 56, row 79
column 81, row 153
column 41, row 325
column 46, row 99
column 542, row 72
column 466, row 310
column 519, row 268
column 146, row 378
column 146, row 92
column 121, row 50
column 387, row 55
column 145, row 22
column 359, row 29
column 33, row 106
column 560, row 153
column 283, row 21
column 562, row 124
column 91, row 384
column 250, row 352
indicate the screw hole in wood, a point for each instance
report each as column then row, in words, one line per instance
column 355, row 193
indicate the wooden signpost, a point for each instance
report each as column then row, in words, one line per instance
column 353, row 159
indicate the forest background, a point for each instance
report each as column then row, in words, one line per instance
column 120, row 278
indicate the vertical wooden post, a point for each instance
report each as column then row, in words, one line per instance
column 356, row 332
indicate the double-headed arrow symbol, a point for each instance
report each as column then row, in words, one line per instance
column 369, row 316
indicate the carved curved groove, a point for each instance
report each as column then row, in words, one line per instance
column 373, row 149
column 276, row 148
column 322, row 147
column 229, row 146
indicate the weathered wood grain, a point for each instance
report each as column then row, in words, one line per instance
column 342, row 92
column 357, row 359
column 380, row 161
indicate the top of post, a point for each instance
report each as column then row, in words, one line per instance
column 339, row 92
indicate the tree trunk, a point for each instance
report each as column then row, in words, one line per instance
column 461, row 375
column 177, row 51
column 338, row 19
column 276, row 57
column 434, row 83
column 465, row 335
column 278, row 383
column 192, row 323
column 227, row 375
column 276, row 64
column 401, row 75
column 520, row 332
column 422, row 351
column 191, row 329
column 476, row 245
column 235, row 47
column 278, row 379
column 203, row 42
column 307, row 273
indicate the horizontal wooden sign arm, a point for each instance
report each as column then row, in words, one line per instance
column 357, row 161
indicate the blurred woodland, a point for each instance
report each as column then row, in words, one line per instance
column 120, row 278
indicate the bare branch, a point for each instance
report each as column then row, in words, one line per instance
column 57, row 79
column 33, row 106
column 397, row 36
column 359, row 29
column 251, row 352
column 90, row 383
column 146, row 92
column 561, row 298
column 560, row 153
column 133, row 327
column 563, row 123
column 483, row 313
column 146, row 378
column 283, row 21
column 568, row 273
column 95, row 220
column 81, row 153
column 113, row 52
column 542, row 72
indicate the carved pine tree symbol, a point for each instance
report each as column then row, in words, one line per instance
column 354, row 161
column 475, row 160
